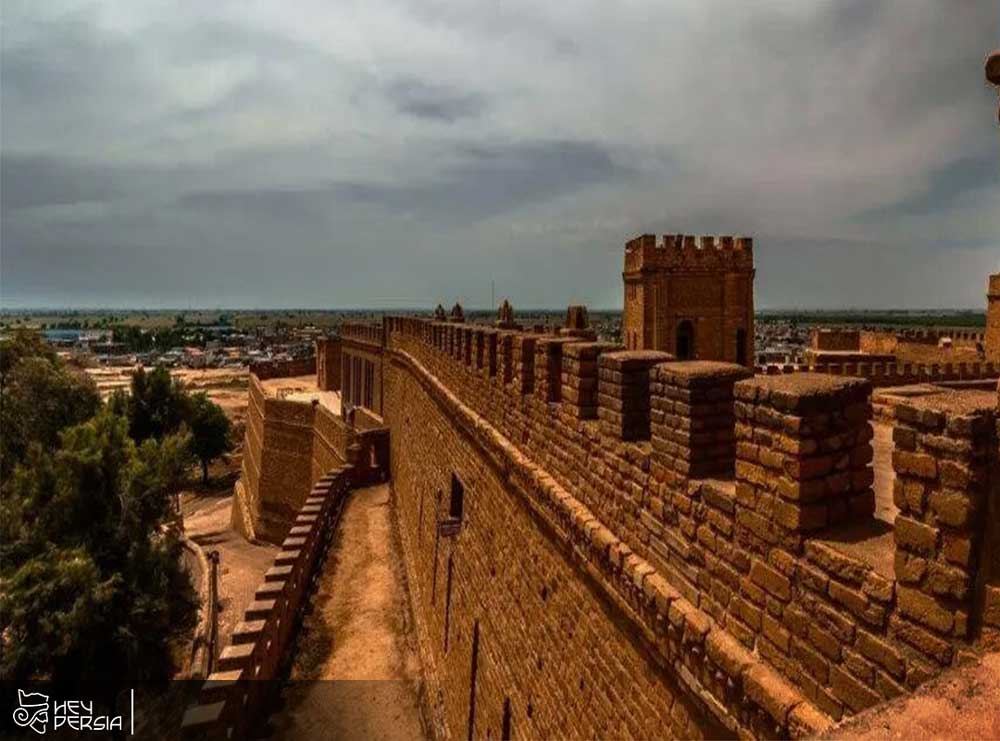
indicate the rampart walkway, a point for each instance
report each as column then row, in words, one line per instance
column 355, row 642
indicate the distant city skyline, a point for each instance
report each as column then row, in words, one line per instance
column 389, row 156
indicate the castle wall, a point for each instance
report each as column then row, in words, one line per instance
column 328, row 363
column 750, row 562
column 287, row 447
column 991, row 341
column 895, row 374
column 839, row 340
column 551, row 648
column 361, row 365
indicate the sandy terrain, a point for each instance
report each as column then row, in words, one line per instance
column 357, row 639
column 961, row 704
column 241, row 564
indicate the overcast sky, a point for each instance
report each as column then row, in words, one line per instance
column 402, row 153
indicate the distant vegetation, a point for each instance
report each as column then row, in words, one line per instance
column 90, row 548
column 171, row 328
column 969, row 319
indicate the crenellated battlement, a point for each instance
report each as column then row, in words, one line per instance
column 722, row 496
column 683, row 252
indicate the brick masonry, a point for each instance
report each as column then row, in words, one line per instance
column 724, row 492
column 604, row 542
column 690, row 297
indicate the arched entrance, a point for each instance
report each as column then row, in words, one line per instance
column 685, row 340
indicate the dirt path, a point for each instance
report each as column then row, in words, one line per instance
column 241, row 564
column 356, row 639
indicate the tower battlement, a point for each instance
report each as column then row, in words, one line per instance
column 680, row 252
column 690, row 296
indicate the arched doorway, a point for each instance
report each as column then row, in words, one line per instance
column 685, row 340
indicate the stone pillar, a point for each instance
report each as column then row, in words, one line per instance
column 479, row 349
column 490, row 336
column 579, row 376
column 548, row 366
column 623, row 392
column 524, row 363
column 944, row 445
column 692, row 417
column 803, row 454
column 505, row 345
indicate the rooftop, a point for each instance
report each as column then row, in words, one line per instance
column 302, row 389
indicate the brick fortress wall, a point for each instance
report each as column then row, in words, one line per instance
column 687, row 521
column 289, row 445
column 991, row 341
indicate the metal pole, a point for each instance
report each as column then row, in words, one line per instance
column 213, row 608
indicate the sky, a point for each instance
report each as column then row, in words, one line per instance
column 402, row 153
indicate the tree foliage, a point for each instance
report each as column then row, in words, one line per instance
column 90, row 567
column 90, row 557
column 157, row 404
column 211, row 432
column 39, row 396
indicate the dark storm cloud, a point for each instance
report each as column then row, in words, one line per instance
column 435, row 102
column 403, row 152
column 45, row 181
column 489, row 181
column 946, row 186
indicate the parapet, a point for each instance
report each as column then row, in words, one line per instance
column 681, row 252
column 993, row 291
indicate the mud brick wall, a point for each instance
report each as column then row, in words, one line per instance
column 283, row 368
column 945, row 446
column 524, row 363
column 579, row 376
column 991, row 341
column 591, row 495
column 549, row 365
column 700, row 612
column 287, row 446
column 328, row 363
column 803, row 453
column 623, row 392
column 361, row 373
column 546, row 648
column 693, row 421
column 228, row 704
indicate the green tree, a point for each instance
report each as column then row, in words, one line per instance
column 157, row 404
column 39, row 396
column 90, row 558
column 211, row 432
column 23, row 343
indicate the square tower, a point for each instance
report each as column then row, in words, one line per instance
column 692, row 298
column 991, row 342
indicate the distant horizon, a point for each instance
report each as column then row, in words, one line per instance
column 385, row 309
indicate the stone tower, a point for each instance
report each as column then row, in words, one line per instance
column 692, row 298
column 992, row 339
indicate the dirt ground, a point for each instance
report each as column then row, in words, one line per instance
column 227, row 387
column 961, row 704
column 357, row 639
column 241, row 564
